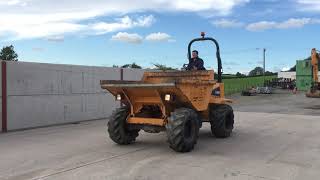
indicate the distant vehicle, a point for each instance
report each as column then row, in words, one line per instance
column 254, row 91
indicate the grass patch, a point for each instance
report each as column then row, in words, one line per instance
column 235, row 85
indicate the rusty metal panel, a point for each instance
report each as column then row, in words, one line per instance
column 198, row 95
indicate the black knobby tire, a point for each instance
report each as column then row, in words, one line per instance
column 221, row 120
column 182, row 129
column 117, row 127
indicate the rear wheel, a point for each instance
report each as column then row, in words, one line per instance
column 182, row 129
column 117, row 127
column 221, row 120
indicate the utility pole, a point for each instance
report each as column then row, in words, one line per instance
column 264, row 64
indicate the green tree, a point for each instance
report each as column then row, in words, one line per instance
column 133, row 65
column 238, row 74
column 293, row 68
column 163, row 67
column 268, row 73
column 7, row 53
column 256, row 71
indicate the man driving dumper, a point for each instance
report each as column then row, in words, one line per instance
column 195, row 63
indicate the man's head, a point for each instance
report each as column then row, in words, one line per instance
column 195, row 54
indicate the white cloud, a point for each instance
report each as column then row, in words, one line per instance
column 123, row 7
column 158, row 37
column 13, row 3
column 225, row 23
column 294, row 23
column 126, row 37
column 137, row 39
column 260, row 26
column 308, row 5
column 42, row 18
column 218, row 7
column 290, row 23
column 53, row 26
column 123, row 23
column 38, row 30
column 285, row 69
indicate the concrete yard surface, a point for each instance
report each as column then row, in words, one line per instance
column 264, row 146
column 281, row 101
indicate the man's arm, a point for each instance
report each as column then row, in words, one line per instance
column 199, row 64
column 190, row 65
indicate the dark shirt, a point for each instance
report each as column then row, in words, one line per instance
column 197, row 63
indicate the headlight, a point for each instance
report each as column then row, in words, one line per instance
column 118, row 97
column 216, row 92
column 167, row 97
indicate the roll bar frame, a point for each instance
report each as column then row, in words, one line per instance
column 217, row 52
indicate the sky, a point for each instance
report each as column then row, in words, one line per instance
column 147, row 32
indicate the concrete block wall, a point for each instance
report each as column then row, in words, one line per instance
column 0, row 97
column 47, row 94
column 132, row 74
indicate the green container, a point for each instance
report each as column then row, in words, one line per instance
column 304, row 83
column 304, row 68
column 304, row 75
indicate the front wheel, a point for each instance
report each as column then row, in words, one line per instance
column 182, row 129
column 117, row 127
column 221, row 120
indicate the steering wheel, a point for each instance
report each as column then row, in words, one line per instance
column 184, row 67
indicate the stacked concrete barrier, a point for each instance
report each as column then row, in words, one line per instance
column 0, row 96
column 41, row 94
column 132, row 74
